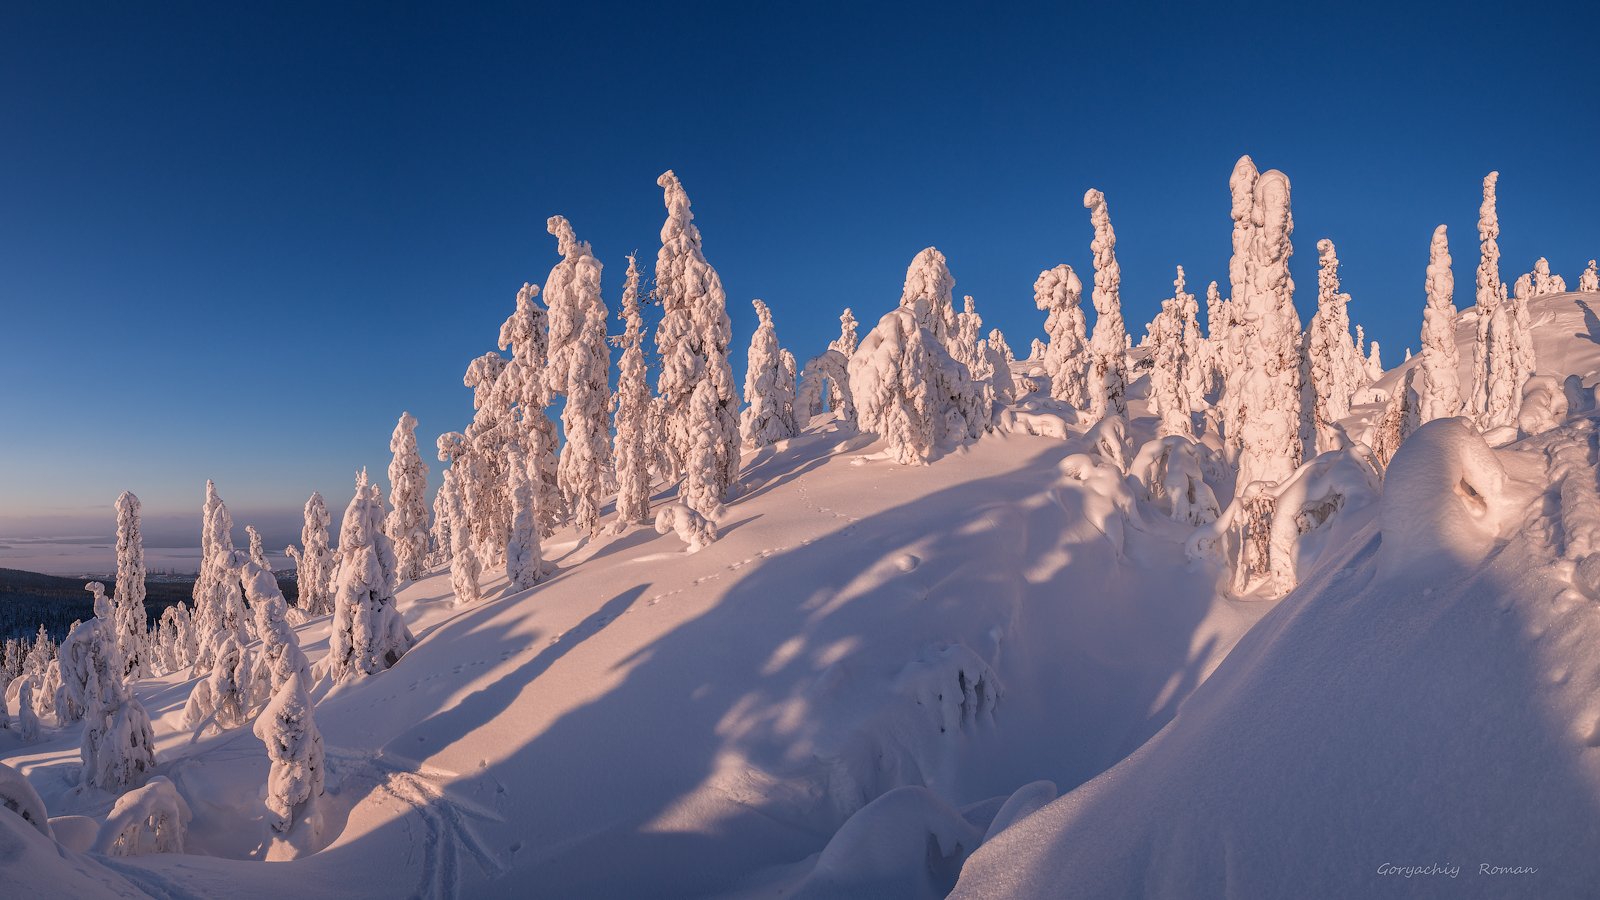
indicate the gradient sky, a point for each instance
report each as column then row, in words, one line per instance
column 237, row 241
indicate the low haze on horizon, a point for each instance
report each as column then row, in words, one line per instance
column 218, row 223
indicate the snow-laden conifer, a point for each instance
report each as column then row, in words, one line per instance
column 631, row 448
column 524, row 556
column 579, row 364
column 768, row 416
column 929, row 294
column 294, row 745
column 314, row 560
column 1333, row 379
column 482, row 479
column 257, row 550
column 1108, row 374
column 219, row 600
column 368, row 633
column 526, row 333
column 407, row 525
column 692, row 342
column 889, row 385
column 131, row 621
column 1441, row 384
column 702, row 489
column 1170, row 357
column 465, row 568
column 1589, row 281
column 1058, row 292
column 1496, row 393
column 118, row 744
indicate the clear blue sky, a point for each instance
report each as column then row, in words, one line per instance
column 237, row 241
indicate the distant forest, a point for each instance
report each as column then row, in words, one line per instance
column 29, row 599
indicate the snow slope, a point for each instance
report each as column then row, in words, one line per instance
column 937, row 652
column 1403, row 715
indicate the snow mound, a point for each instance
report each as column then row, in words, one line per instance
column 1443, row 502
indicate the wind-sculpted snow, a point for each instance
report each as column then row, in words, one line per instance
column 1444, row 501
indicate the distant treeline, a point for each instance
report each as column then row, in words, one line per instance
column 29, row 599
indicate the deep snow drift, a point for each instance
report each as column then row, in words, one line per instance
column 879, row 679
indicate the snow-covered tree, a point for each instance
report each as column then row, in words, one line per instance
column 929, row 294
column 1374, row 363
column 524, row 557
column 1543, row 282
column 1037, row 349
column 846, row 342
column 465, row 567
column 578, row 368
column 27, row 716
column 368, row 633
column 1108, row 374
column 768, row 394
column 693, row 529
column 294, row 782
column 1265, row 385
column 257, row 549
column 702, row 490
column 482, row 479
column 1589, row 281
column 692, row 342
column 526, row 333
column 219, row 601
column 1400, row 418
column 1333, row 376
column 889, row 385
column 1169, row 354
column 314, row 561
column 631, row 448
column 118, row 745
column 1496, row 392
column 131, row 621
column 997, row 343
column 1441, row 382
column 1059, row 293
column 280, row 656
column 224, row 697
column 407, row 525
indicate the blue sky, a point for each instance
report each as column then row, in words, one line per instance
column 237, row 242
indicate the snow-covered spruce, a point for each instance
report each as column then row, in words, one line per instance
column 1059, row 293
column 118, row 745
column 257, row 550
column 998, row 343
column 1334, row 372
column 279, row 656
column 465, row 567
column 929, row 295
column 1266, row 379
column 631, row 449
column 1441, row 382
column 294, row 782
column 692, row 342
column 1589, row 281
column 219, row 601
column 1400, row 417
column 526, row 333
column 1495, row 389
column 702, row 489
column 481, row 474
column 314, row 561
column 768, row 393
column 368, row 633
column 224, row 697
column 1169, row 354
column 407, row 525
column 578, row 368
column 524, row 556
column 845, row 343
column 1108, row 374
column 131, row 621
column 890, row 390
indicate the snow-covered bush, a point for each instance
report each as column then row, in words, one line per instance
column 18, row 796
column 768, row 394
column 224, row 697
column 1589, row 281
column 631, row 449
column 1059, row 293
column 1108, row 374
column 695, row 530
column 368, row 633
column 131, row 621
column 1169, row 470
column 407, row 525
column 1104, row 501
column 152, row 819
column 1444, row 500
column 1544, row 405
